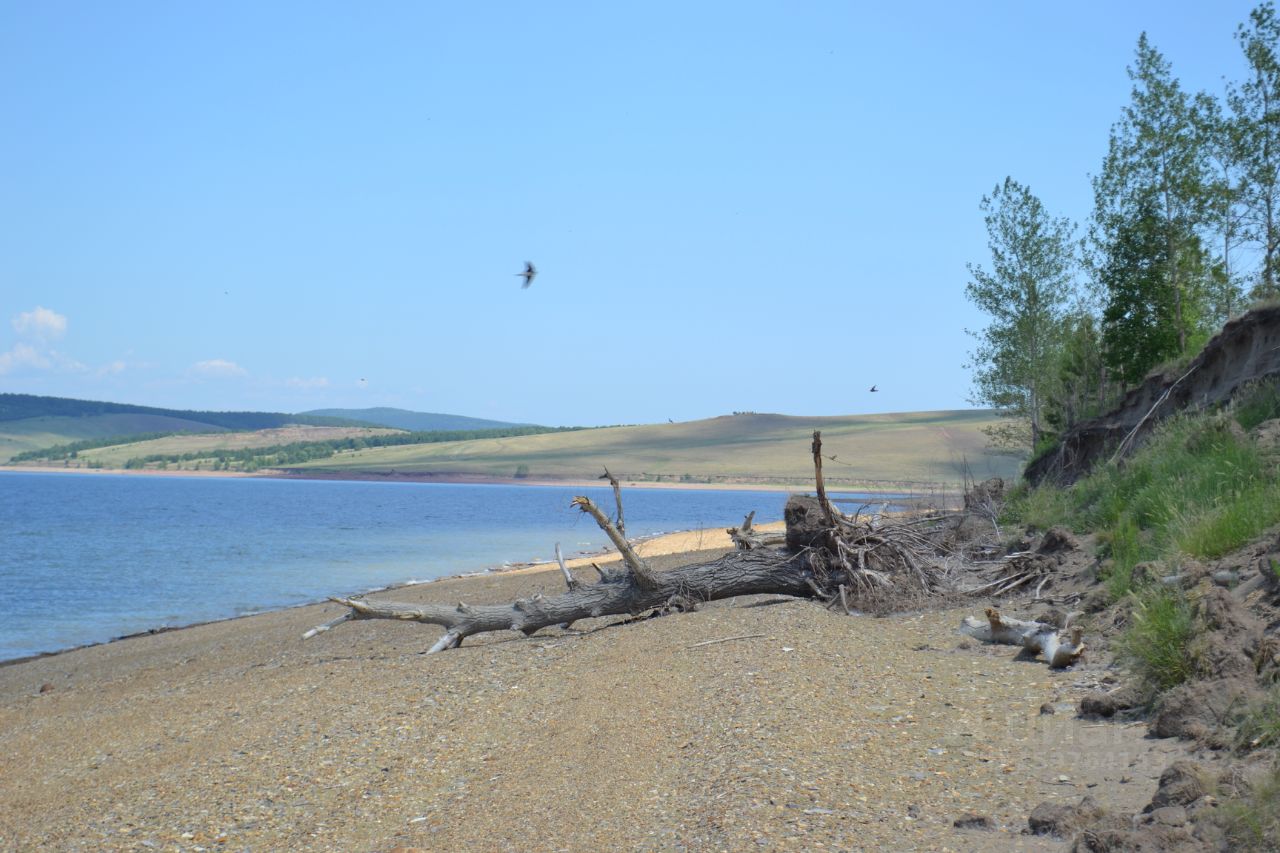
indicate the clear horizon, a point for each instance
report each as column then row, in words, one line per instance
column 731, row 207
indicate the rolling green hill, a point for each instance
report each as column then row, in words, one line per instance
column 29, row 422
column 38, row 433
column 16, row 407
column 412, row 421
column 918, row 447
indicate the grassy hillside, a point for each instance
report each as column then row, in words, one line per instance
column 29, row 422
column 412, row 421
column 37, row 433
column 17, row 407
column 919, row 447
column 118, row 455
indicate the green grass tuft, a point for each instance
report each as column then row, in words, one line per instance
column 1156, row 647
column 1252, row 822
column 1259, row 727
column 1221, row 529
column 1259, row 402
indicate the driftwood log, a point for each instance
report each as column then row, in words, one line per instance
column 1033, row 637
column 849, row 563
column 616, row 593
column 840, row 561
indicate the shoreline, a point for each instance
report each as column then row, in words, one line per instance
column 909, row 489
column 661, row 545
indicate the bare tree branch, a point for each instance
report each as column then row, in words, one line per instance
column 617, row 499
column 639, row 568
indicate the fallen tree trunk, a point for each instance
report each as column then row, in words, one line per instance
column 617, row 593
column 840, row 561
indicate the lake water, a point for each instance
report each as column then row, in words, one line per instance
column 87, row 558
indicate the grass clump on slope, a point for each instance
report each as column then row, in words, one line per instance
column 1252, row 821
column 1157, row 645
column 1200, row 488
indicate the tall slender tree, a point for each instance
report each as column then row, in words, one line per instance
column 1155, row 178
column 1139, row 329
column 1025, row 293
column 1255, row 108
column 1228, row 217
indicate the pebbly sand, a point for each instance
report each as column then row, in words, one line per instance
column 812, row 731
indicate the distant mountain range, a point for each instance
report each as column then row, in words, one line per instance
column 16, row 407
column 412, row 421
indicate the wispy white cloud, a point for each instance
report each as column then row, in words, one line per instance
column 307, row 384
column 42, row 324
column 23, row 355
column 111, row 369
column 218, row 368
column 36, row 329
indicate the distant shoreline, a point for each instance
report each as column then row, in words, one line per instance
column 482, row 479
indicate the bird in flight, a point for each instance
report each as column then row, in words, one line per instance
column 874, row 389
column 529, row 272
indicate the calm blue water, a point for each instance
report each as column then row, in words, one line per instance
column 85, row 558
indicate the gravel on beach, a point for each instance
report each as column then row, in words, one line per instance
column 800, row 729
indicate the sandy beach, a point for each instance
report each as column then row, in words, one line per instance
column 799, row 729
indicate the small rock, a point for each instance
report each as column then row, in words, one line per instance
column 1046, row 709
column 1226, row 578
column 1063, row 819
column 913, row 811
column 973, row 821
column 1170, row 816
column 1107, row 704
column 46, row 688
column 1182, row 783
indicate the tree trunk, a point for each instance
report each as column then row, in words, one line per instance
column 740, row 573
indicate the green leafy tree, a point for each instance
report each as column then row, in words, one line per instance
column 1084, row 387
column 1255, row 108
column 1025, row 293
column 1228, row 217
column 1154, row 194
column 1138, row 322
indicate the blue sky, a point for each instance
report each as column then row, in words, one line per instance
column 732, row 206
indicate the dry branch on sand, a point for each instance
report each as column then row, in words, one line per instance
column 847, row 563
column 1033, row 637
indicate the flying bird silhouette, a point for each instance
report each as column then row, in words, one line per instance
column 874, row 389
column 529, row 272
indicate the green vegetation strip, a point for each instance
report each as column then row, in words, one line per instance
column 1200, row 488
column 293, row 453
